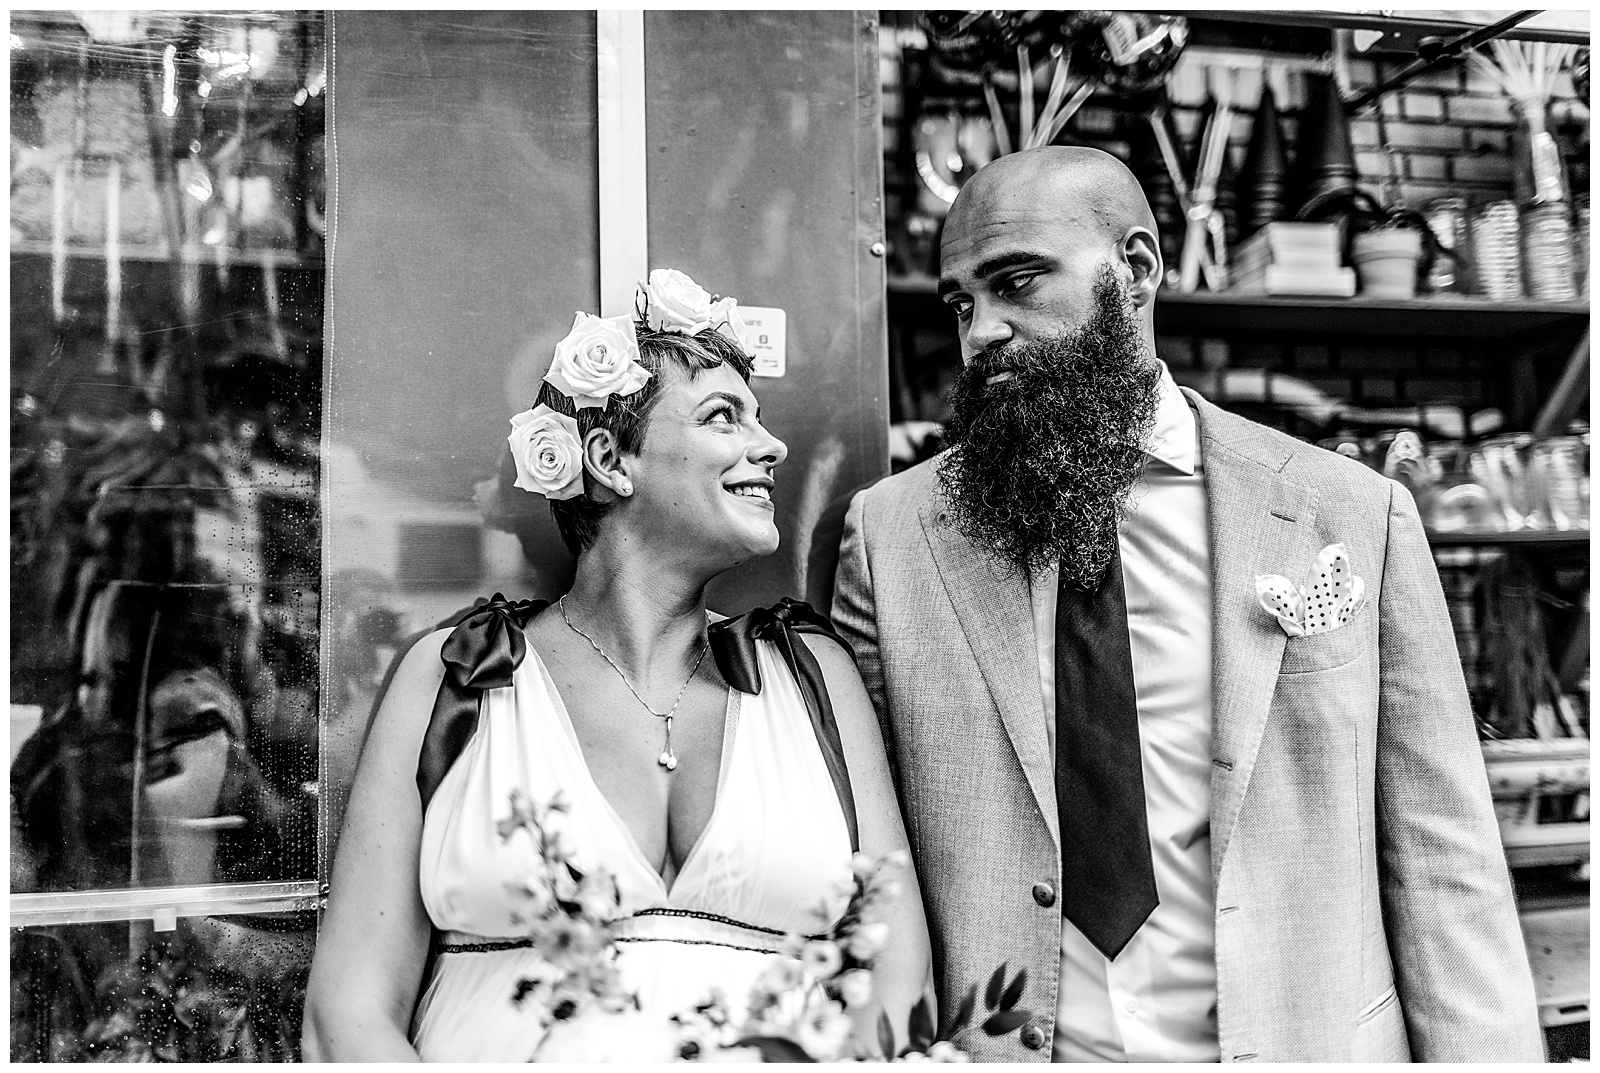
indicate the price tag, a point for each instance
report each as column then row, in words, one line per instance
column 764, row 330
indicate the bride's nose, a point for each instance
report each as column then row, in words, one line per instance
column 767, row 449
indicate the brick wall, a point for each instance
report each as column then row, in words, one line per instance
column 1447, row 133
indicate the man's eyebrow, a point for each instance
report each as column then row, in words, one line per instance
column 993, row 265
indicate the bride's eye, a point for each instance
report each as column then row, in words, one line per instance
column 722, row 415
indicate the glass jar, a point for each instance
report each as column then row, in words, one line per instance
column 1502, row 466
column 1559, row 466
column 1447, row 216
column 1459, row 502
column 1547, row 261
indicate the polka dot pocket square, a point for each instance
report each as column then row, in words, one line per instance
column 1330, row 597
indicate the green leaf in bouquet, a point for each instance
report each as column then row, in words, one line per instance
column 776, row 1049
column 921, row 1026
column 886, row 1037
column 963, row 1015
column 997, row 981
column 1005, row 1021
column 1013, row 993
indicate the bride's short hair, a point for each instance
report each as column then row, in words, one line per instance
column 578, row 519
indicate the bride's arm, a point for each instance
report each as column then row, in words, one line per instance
column 370, row 952
column 902, row 973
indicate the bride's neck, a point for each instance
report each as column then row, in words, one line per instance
column 647, row 616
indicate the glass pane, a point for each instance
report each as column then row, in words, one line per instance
column 467, row 227
column 166, row 370
column 795, row 231
column 215, row 989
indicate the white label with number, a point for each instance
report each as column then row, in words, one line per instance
column 763, row 330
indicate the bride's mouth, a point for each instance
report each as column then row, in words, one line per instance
column 757, row 490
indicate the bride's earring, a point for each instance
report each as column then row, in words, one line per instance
column 624, row 487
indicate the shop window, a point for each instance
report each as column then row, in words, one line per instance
column 440, row 555
column 166, row 366
column 212, row 989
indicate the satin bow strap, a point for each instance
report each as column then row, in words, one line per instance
column 733, row 646
column 482, row 652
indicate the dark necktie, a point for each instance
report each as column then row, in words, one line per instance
column 1108, row 885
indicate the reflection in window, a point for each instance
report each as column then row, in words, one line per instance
column 216, row 989
column 166, row 241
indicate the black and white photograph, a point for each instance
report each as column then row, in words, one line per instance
column 804, row 535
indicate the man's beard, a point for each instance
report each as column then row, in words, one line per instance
column 1049, row 440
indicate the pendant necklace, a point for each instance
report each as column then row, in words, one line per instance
column 668, row 759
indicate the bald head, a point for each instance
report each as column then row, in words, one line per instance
column 1029, row 237
column 1091, row 189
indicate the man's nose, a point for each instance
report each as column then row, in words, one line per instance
column 987, row 330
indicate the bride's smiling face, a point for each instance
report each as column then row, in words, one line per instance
column 703, row 477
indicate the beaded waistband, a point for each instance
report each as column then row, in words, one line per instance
column 662, row 924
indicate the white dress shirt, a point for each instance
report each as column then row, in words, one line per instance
column 1157, row 1002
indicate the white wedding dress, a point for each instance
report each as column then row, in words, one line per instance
column 775, row 848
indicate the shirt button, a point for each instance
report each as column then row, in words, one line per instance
column 1032, row 1037
column 1044, row 894
column 1132, row 1005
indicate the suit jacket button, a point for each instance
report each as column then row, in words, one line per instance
column 1032, row 1037
column 1044, row 894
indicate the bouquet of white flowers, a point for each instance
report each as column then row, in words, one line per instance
column 800, row 1009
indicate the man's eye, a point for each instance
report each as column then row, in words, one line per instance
column 722, row 415
column 962, row 310
column 1014, row 285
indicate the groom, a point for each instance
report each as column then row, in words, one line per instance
column 1204, row 838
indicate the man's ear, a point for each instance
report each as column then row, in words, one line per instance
column 606, row 466
column 1142, row 253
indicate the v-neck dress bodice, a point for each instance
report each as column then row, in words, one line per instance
column 775, row 847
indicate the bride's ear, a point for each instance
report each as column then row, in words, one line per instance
column 606, row 466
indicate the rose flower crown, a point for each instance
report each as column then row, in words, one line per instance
column 599, row 358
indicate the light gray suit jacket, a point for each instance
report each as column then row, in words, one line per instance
column 1363, row 907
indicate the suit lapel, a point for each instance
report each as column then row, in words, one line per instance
column 1260, row 522
column 995, row 609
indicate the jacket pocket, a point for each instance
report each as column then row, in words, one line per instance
column 1377, row 1005
column 1326, row 651
column 1381, row 1031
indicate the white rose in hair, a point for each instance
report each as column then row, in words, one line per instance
column 675, row 303
column 598, row 358
column 726, row 319
column 548, row 453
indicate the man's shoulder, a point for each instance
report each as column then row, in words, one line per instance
column 890, row 513
column 909, row 490
column 1292, row 458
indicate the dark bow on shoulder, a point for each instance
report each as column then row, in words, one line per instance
column 482, row 652
column 733, row 646
column 733, row 640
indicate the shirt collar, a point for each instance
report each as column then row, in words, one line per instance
column 1173, row 438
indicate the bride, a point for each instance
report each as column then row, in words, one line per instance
column 723, row 770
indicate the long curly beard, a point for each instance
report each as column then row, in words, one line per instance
column 1049, row 439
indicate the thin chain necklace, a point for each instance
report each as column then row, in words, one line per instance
column 668, row 759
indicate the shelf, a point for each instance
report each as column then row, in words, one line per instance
column 1203, row 313
column 1229, row 314
column 1544, row 537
